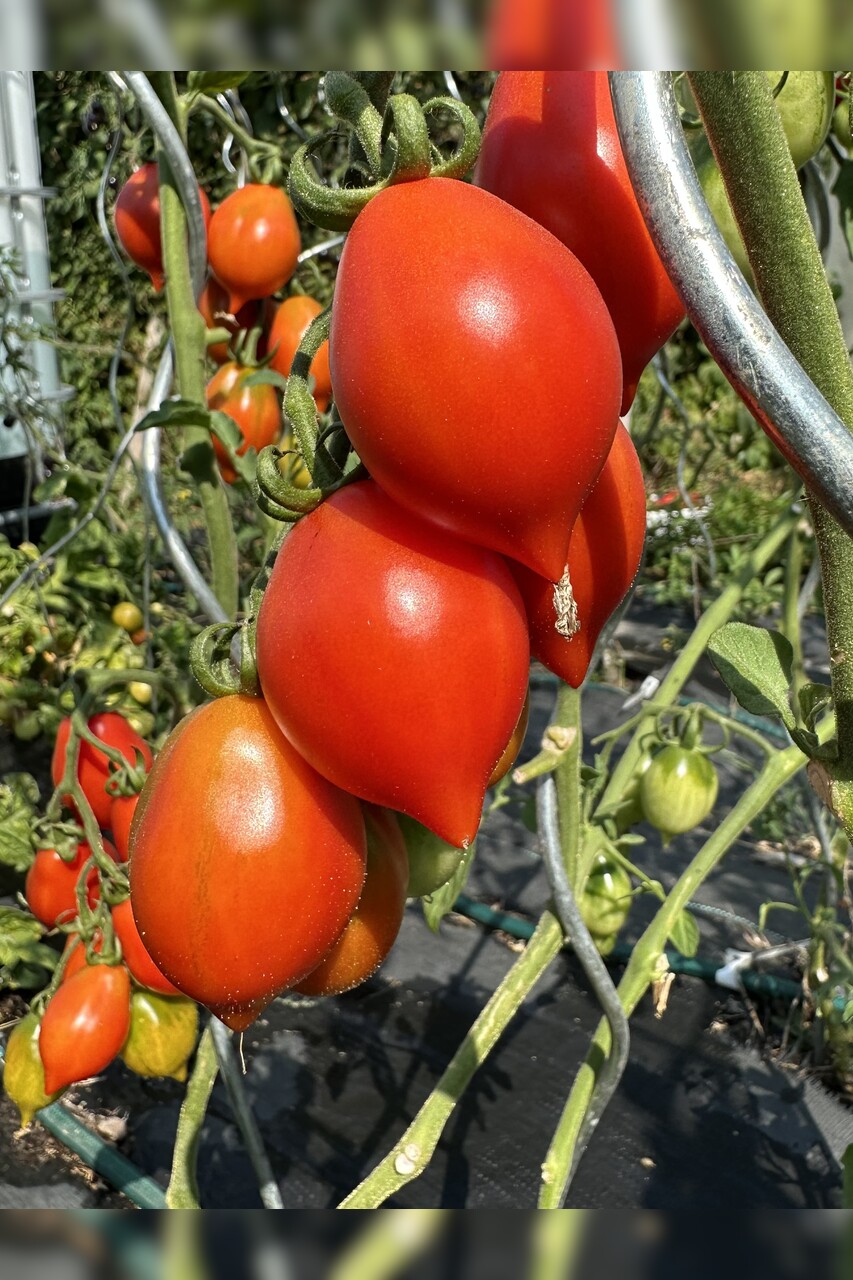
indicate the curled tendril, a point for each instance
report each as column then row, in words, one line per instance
column 394, row 149
column 212, row 659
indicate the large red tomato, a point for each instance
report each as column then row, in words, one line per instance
column 292, row 318
column 85, row 1024
column 245, row 864
column 253, row 243
column 374, row 926
column 51, row 885
column 394, row 656
column 550, row 148
column 605, row 551
column 553, row 33
column 134, row 954
column 474, row 366
column 122, row 810
column 213, row 305
column 137, row 219
column 93, row 767
column 256, row 410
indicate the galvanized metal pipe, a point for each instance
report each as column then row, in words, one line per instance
column 726, row 313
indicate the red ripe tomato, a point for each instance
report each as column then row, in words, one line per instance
column 85, row 1025
column 270, row 868
column 605, row 551
column 553, row 33
column 292, row 318
column 550, row 148
column 51, row 884
column 213, row 305
column 374, row 926
column 137, row 219
column 93, row 767
column 513, row 747
column 394, row 656
column 253, row 243
column 122, row 810
column 75, row 950
column 504, row 346
column 256, row 410
column 134, row 954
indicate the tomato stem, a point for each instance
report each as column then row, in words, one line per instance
column 182, row 1192
column 746, row 135
column 567, row 778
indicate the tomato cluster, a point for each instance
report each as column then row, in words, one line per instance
column 480, row 354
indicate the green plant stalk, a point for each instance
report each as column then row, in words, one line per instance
column 557, row 1238
column 748, row 141
column 412, row 1153
column 567, row 780
column 390, row 1244
column 790, row 610
column 714, row 617
column 189, row 340
column 182, row 1192
column 648, row 960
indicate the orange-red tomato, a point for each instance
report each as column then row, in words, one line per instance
column 137, row 219
column 135, row 955
column 256, row 410
column 253, row 243
column 122, row 810
column 269, row 866
column 85, row 1025
column 553, row 33
column 513, row 747
column 51, row 884
column 394, row 656
column 605, row 551
column 75, row 950
column 213, row 305
column 551, row 149
column 93, row 767
column 373, row 928
column 292, row 318
column 460, row 329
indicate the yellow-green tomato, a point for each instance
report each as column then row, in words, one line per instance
column 805, row 103
column 163, row 1031
column 431, row 861
column 23, row 1073
column 679, row 790
column 140, row 692
column 128, row 615
column 605, row 902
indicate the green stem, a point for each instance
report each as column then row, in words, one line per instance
column 247, row 141
column 557, row 1239
column 648, row 962
column 411, row 1155
column 182, row 1192
column 390, row 1244
column 790, row 608
column 749, row 144
column 567, row 779
column 714, row 617
column 189, row 340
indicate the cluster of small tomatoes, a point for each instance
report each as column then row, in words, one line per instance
column 253, row 248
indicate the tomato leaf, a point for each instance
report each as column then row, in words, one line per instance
column 176, row 413
column 843, row 192
column 19, row 796
column 813, row 699
column 438, row 904
column 756, row 665
column 684, row 935
column 265, row 378
column 25, row 961
column 213, row 82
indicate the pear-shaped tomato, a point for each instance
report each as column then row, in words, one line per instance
column 23, row 1070
column 395, row 657
column 51, row 884
column 605, row 551
column 245, row 864
column 292, row 318
column 551, row 149
column 93, row 766
column 375, row 923
column 464, row 333
column 85, row 1024
column 137, row 219
column 163, row 1032
column 255, row 409
column 253, row 243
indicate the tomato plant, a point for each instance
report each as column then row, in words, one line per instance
column 93, row 766
column 510, row 329
column 551, row 149
column 255, row 409
column 410, row 703
column 432, row 861
column 213, row 305
column 23, row 1071
column 122, row 810
column 606, row 902
column 253, row 243
column 137, row 221
column 255, row 826
column 85, row 1025
column 292, row 318
column 373, row 927
column 51, row 885
column 678, row 790
column 605, row 550
column 162, row 1035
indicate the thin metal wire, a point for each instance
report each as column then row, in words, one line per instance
column 242, row 167
column 718, row 300
column 592, row 964
column 287, row 115
column 233, row 1079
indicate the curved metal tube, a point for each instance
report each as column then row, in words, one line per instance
column 740, row 337
column 177, row 549
column 170, row 140
column 592, row 964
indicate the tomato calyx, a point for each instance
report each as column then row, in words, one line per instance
column 403, row 128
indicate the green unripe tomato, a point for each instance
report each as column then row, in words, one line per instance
column 27, row 726
column 142, row 721
column 841, row 125
column 163, row 1032
column 679, row 790
column 23, row 1074
column 140, row 692
column 805, row 103
column 606, row 902
column 128, row 615
column 431, row 861
column 630, row 811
